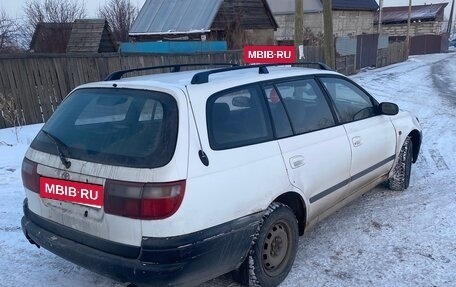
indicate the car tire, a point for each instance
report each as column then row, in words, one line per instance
column 273, row 251
column 400, row 179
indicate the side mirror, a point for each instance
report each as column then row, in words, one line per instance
column 389, row 109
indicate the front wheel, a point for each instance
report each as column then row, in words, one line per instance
column 274, row 250
column 400, row 179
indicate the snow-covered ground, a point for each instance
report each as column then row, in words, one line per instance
column 384, row 238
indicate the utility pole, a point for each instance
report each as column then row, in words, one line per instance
column 380, row 17
column 328, row 33
column 408, row 27
column 299, row 27
column 450, row 21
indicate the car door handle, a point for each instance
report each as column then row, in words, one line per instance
column 297, row 161
column 357, row 141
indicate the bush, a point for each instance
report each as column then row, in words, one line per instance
column 10, row 113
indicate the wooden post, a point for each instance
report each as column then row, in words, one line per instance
column 450, row 21
column 328, row 33
column 380, row 17
column 299, row 26
column 408, row 27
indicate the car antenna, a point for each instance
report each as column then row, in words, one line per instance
column 202, row 155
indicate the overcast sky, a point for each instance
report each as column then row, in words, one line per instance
column 15, row 8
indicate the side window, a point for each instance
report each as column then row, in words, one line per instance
column 237, row 118
column 280, row 120
column 351, row 103
column 306, row 105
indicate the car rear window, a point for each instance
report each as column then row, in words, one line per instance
column 123, row 127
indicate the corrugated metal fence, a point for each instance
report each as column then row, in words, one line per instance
column 427, row 44
column 355, row 53
column 37, row 83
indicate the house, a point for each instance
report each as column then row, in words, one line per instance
column 425, row 20
column 350, row 18
column 91, row 36
column 238, row 22
column 81, row 36
column 427, row 33
column 50, row 37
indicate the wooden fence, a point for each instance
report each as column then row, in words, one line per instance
column 344, row 64
column 37, row 83
column 395, row 53
column 314, row 54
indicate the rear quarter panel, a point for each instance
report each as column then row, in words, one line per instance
column 236, row 183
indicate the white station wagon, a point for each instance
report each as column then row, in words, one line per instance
column 176, row 178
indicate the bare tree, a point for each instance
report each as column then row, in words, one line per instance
column 51, row 11
column 230, row 26
column 120, row 15
column 10, row 113
column 312, row 39
column 8, row 33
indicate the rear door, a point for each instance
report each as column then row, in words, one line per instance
column 117, row 135
column 316, row 152
column 372, row 136
column 245, row 171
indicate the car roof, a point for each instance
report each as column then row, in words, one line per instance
column 246, row 75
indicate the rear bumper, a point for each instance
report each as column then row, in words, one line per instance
column 175, row 261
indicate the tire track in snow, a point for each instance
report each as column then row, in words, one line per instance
column 444, row 79
column 438, row 159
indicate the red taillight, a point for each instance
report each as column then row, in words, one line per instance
column 143, row 200
column 30, row 177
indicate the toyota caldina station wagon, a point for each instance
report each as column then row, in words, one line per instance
column 175, row 178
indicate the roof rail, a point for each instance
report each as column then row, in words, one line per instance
column 175, row 68
column 203, row 77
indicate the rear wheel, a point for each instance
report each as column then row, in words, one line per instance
column 400, row 180
column 274, row 250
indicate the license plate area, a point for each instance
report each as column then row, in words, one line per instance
column 72, row 191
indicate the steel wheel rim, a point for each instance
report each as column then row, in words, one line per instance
column 276, row 248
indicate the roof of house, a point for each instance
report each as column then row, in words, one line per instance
column 51, row 37
column 174, row 16
column 288, row 6
column 91, row 36
column 159, row 17
column 363, row 5
column 252, row 14
column 391, row 15
column 310, row 6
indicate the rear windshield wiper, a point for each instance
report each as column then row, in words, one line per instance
column 59, row 144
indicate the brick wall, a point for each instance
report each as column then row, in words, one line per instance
column 416, row 29
column 351, row 23
column 345, row 23
column 314, row 21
